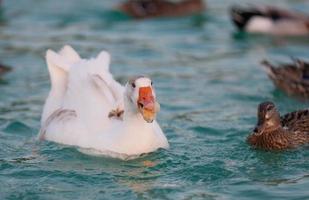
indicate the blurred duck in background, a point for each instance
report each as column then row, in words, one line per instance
column 161, row 8
column 292, row 78
column 4, row 69
column 270, row 20
column 273, row 132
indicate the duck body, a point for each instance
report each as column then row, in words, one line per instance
column 278, row 139
column 290, row 78
column 275, row 133
column 161, row 8
column 270, row 20
column 76, row 112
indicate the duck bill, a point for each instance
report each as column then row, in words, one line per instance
column 146, row 104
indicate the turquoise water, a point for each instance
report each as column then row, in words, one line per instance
column 208, row 81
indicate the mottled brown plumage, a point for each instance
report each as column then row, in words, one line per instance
column 161, row 8
column 291, row 78
column 275, row 133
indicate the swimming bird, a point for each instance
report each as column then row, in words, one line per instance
column 270, row 20
column 4, row 69
column 291, row 78
column 273, row 132
column 161, row 8
column 89, row 109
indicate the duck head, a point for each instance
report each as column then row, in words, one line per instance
column 268, row 116
column 241, row 16
column 142, row 98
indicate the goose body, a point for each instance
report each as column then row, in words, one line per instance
column 273, row 132
column 291, row 78
column 78, row 109
column 270, row 20
column 161, row 8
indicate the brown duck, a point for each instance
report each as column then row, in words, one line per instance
column 291, row 78
column 161, row 8
column 273, row 132
column 4, row 69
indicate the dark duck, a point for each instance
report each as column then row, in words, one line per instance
column 273, row 132
column 270, row 20
column 161, row 8
column 292, row 78
column 4, row 69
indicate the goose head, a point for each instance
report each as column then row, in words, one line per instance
column 141, row 98
column 268, row 116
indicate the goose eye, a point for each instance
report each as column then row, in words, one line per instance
column 133, row 85
column 151, row 83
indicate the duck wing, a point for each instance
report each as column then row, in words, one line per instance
column 296, row 121
column 58, row 115
column 105, row 83
column 282, row 71
column 92, row 91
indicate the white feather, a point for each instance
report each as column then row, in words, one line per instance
column 279, row 27
column 58, row 68
column 69, row 53
column 259, row 25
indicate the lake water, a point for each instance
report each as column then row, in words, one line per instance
column 208, row 81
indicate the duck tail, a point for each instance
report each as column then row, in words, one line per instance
column 103, row 60
column 58, row 68
column 69, row 53
column 58, row 65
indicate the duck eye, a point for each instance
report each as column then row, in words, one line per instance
column 133, row 85
column 151, row 83
column 269, row 108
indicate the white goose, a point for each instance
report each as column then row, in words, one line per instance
column 87, row 108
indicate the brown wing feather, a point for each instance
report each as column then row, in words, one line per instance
column 296, row 121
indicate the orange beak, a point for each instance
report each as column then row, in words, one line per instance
column 146, row 104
